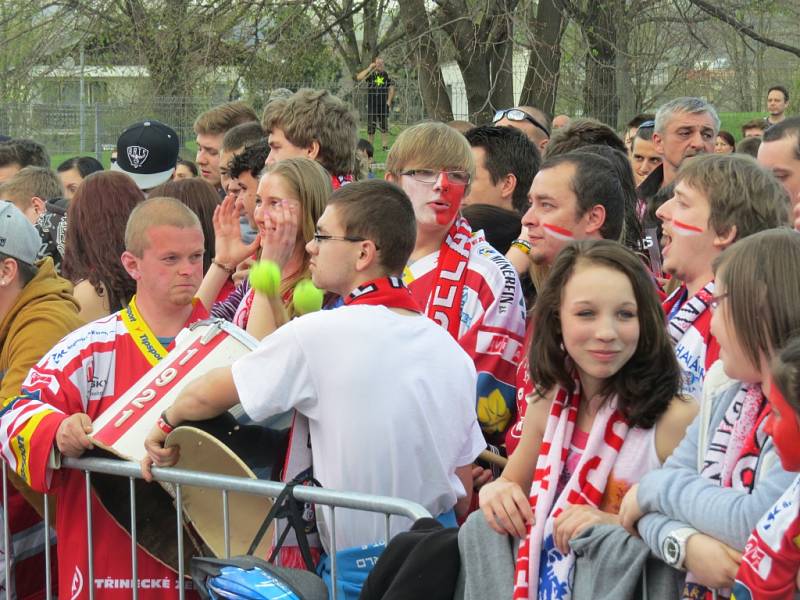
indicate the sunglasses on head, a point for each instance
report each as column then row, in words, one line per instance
column 516, row 114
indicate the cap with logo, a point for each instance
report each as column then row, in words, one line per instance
column 18, row 237
column 148, row 152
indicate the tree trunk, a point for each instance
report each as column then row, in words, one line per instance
column 541, row 80
column 625, row 88
column 484, row 51
column 426, row 59
column 600, row 87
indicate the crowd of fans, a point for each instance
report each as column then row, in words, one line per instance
column 578, row 350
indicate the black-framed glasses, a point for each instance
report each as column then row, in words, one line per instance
column 716, row 300
column 431, row 175
column 516, row 114
column 322, row 237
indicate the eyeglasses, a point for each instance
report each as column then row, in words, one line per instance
column 646, row 125
column 716, row 300
column 430, row 176
column 321, row 237
column 515, row 114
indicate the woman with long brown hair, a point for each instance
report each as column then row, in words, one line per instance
column 97, row 215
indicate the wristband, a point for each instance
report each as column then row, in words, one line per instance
column 523, row 246
column 225, row 268
column 163, row 424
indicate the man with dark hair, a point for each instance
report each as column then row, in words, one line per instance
column 644, row 157
column 633, row 126
column 749, row 146
column 244, row 170
column 777, row 102
column 754, row 128
column 531, row 121
column 18, row 154
column 780, row 153
column 380, row 93
column 505, row 163
column 583, row 132
column 378, row 384
column 85, row 373
column 575, row 196
column 36, row 310
column 235, row 140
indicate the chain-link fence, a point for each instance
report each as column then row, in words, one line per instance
column 92, row 128
column 70, row 128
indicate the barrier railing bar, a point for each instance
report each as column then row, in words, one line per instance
column 134, row 565
column 6, row 533
column 226, row 524
column 90, row 543
column 179, row 511
column 48, row 583
column 353, row 500
column 333, row 553
column 388, row 530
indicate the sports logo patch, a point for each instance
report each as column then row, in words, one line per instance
column 137, row 155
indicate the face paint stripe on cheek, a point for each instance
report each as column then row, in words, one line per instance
column 685, row 229
column 557, row 232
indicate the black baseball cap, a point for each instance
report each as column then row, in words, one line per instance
column 147, row 152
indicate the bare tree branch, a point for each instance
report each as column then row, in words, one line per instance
column 723, row 16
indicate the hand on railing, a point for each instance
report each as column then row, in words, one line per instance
column 157, row 453
column 72, row 438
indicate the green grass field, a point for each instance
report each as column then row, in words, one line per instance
column 733, row 122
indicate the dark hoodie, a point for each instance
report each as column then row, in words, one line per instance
column 52, row 228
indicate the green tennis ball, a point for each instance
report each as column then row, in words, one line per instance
column 265, row 277
column 307, row 297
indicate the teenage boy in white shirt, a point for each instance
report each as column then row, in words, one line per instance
column 389, row 395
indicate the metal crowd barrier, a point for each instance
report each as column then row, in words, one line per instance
column 334, row 499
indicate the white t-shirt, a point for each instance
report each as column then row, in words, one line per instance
column 390, row 401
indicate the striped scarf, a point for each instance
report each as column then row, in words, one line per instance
column 732, row 458
column 541, row 570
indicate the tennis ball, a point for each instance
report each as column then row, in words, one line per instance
column 307, row 297
column 265, row 277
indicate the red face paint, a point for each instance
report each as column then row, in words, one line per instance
column 783, row 426
column 558, row 232
column 682, row 228
column 452, row 194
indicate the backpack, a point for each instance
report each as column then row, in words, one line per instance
column 251, row 578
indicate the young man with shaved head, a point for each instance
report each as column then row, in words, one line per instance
column 84, row 374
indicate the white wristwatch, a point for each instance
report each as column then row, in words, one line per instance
column 673, row 548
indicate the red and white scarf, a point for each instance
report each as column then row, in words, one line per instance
column 338, row 181
column 689, row 327
column 732, row 458
column 390, row 292
column 541, row 570
column 444, row 305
